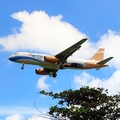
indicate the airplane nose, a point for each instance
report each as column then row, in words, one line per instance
column 11, row 58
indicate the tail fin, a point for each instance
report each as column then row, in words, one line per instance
column 104, row 61
column 99, row 55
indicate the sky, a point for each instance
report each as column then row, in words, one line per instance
column 50, row 27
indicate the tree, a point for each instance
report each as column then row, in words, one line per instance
column 85, row 104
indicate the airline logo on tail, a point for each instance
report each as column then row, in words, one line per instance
column 99, row 55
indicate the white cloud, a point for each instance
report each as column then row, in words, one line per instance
column 15, row 117
column 20, row 117
column 85, row 79
column 40, row 118
column 41, row 83
column 41, row 32
column 19, row 113
column 111, row 43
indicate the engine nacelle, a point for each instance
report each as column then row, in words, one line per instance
column 51, row 59
column 41, row 72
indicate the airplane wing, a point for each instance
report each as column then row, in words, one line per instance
column 51, row 69
column 62, row 56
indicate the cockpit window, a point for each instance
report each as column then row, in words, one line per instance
column 16, row 53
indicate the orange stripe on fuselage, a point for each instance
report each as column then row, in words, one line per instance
column 90, row 65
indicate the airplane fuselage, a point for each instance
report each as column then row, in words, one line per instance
column 39, row 59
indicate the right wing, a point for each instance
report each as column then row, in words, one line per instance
column 62, row 56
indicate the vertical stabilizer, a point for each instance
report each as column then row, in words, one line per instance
column 99, row 55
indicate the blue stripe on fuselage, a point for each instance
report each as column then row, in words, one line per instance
column 16, row 58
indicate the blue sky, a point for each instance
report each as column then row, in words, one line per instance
column 49, row 27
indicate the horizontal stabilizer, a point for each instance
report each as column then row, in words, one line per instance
column 104, row 61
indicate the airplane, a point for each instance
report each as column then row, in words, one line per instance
column 51, row 64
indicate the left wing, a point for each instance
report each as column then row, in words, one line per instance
column 62, row 56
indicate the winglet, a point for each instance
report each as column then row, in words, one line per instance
column 104, row 61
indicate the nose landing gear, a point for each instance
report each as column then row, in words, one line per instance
column 22, row 66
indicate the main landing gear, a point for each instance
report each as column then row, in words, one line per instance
column 53, row 74
column 22, row 66
column 61, row 67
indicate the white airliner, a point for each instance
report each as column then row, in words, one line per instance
column 51, row 64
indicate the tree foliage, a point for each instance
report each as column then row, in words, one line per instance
column 85, row 104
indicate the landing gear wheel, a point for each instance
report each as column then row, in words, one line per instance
column 22, row 66
column 61, row 67
column 54, row 75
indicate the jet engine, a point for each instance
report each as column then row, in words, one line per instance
column 51, row 59
column 44, row 72
column 41, row 72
